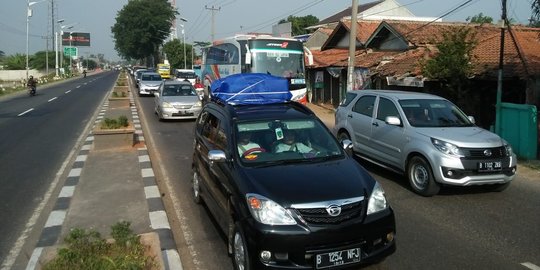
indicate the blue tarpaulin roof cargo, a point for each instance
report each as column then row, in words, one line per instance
column 251, row 88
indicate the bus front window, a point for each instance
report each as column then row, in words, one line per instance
column 287, row 65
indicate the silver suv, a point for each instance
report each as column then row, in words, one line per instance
column 426, row 137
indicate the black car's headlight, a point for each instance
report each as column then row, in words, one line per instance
column 267, row 211
column 377, row 200
column 447, row 148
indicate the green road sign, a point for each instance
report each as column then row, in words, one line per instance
column 70, row 51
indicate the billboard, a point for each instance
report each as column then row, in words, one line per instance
column 77, row 39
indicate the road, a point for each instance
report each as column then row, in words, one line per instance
column 461, row 228
column 37, row 134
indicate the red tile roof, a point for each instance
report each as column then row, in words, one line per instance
column 520, row 58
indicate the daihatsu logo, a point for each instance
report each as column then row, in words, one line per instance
column 333, row 210
column 487, row 153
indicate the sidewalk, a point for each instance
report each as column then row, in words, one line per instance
column 104, row 187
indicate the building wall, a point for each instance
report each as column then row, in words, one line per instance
column 18, row 75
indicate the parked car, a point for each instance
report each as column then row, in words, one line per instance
column 149, row 83
column 308, row 205
column 177, row 100
column 186, row 75
column 426, row 137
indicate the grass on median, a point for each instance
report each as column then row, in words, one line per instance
column 86, row 250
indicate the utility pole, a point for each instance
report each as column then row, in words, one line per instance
column 213, row 9
column 352, row 45
column 500, row 77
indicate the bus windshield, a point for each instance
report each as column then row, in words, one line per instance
column 281, row 64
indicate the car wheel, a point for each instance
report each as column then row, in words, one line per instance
column 240, row 254
column 196, row 188
column 343, row 135
column 421, row 177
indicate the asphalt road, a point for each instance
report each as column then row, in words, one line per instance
column 37, row 135
column 461, row 228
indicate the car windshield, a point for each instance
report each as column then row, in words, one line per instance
column 434, row 113
column 151, row 77
column 186, row 75
column 272, row 142
column 178, row 90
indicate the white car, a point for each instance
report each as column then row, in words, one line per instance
column 186, row 75
column 177, row 100
column 426, row 137
column 149, row 83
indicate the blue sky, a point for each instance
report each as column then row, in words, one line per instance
column 234, row 16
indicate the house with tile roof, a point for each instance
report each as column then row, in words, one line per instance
column 389, row 55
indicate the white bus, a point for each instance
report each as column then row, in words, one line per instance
column 282, row 57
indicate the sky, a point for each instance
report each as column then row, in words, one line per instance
column 230, row 16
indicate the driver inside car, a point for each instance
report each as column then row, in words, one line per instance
column 289, row 143
column 245, row 144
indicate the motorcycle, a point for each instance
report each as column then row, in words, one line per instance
column 31, row 91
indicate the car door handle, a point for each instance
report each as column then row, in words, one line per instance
column 375, row 124
column 349, row 115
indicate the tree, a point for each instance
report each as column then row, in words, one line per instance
column 300, row 23
column 141, row 27
column 15, row 62
column 479, row 18
column 39, row 60
column 535, row 16
column 174, row 50
column 453, row 63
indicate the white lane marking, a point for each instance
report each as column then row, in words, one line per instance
column 151, row 192
column 52, row 99
column 56, row 218
column 75, row 172
column 147, row 172
column 81, row 158
column 25, row 112
column 144, row 158
column 78, row 86
column 67, row 92
column 159, row 220
column 67, row 192
column 32, row 264
column 173, row 258
column 531, row 266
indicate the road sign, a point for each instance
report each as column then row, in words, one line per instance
column 70, row 51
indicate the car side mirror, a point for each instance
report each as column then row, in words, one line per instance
column 392, row 120
column 216, row 156
column 347, row 146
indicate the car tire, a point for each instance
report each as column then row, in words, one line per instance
column 196, row 187
column 421, row 177
column 343, row 135
column 240, row 255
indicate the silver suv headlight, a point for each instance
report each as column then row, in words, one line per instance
column 509, row 151
column 447, row 148
column 377, row 200
column 267, row 211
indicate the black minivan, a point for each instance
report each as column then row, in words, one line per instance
column 285, row 192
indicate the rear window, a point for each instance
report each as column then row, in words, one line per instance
column 151, row 77
column 186, row 75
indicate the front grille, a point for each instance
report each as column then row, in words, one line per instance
column 321, row 216
column 183, row 107
column 478, row 153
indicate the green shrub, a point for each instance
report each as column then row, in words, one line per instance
column 121, row 83
column 86, row 250
column 120, row 122
column 119, row 94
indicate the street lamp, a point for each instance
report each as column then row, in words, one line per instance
column 184, row 37
column 28, row 15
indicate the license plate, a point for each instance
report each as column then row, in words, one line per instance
column 337, row 258
column 489, row 166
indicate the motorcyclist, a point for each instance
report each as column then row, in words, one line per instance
column 32, row 83
column 84, row 73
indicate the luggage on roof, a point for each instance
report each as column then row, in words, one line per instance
column 252, row 88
